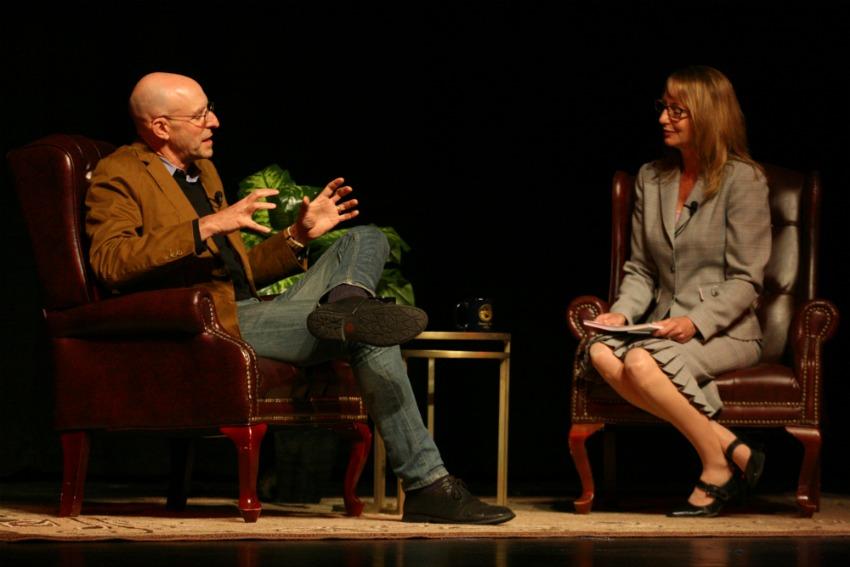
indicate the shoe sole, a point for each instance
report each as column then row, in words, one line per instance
column 424, row 519
column 377, row 327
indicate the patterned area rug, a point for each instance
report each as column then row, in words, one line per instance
column 143, row 518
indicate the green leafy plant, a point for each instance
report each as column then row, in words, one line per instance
column 392, row 284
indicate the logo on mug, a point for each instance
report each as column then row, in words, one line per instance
column 474, row 314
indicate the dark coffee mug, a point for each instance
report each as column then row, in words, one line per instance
column 474, row 314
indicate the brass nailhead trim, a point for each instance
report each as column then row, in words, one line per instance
column 247, row 354
column 314, row 418
column 819, row 339
column 293, row 400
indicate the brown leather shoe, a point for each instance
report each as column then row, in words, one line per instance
column 366, row 320
column 448, row 501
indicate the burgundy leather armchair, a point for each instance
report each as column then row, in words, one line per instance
column 785, row 389
column 158, row 360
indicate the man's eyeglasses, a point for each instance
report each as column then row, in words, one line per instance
column 673, row 111
column 199, row 119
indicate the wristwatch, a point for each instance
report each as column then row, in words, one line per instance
column 299, row 248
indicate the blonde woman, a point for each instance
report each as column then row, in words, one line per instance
column 700, row 241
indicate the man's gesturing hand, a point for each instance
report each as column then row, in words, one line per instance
column 238, row 215
column 324, row 212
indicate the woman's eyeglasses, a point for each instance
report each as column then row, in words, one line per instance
column 674, row 112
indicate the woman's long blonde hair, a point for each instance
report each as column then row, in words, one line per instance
column 717, row 120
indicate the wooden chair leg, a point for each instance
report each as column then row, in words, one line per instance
column 808, row 487
column 579, row 433
column 75, row 451
column 182, row 459
column 360, row 447
column 247, row 439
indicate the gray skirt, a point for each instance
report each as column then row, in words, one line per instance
column 691, row 366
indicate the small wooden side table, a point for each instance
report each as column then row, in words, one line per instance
column 504, row 389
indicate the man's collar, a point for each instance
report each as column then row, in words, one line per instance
column 191, row 176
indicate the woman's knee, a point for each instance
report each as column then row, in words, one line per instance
column 639, row 366
column 604, row 361
column 599, row 354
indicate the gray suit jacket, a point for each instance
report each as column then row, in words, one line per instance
column 709, row 265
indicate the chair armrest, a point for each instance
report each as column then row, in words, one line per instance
column 815, row 322
column 182, row 311
column 581, row 308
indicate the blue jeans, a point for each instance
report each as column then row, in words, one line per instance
column 278, row 329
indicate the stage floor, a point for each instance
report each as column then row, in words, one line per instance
column 137, row 513
column 596, row 552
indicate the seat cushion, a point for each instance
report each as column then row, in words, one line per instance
column 765, row 394
column 771, row 383
column 319, row 394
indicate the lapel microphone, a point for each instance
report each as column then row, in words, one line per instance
column 219, row 199
column 692, row 209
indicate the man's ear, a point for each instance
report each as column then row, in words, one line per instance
column 161, row 128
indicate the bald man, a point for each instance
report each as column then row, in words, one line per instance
column 157, row 218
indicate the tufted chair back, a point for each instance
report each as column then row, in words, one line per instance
column 790, row 276
column 52, row 201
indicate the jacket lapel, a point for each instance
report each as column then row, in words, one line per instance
column 696, row 196
column 172, row 191
column 212, row 187
column 167, row 185
column 669, row 187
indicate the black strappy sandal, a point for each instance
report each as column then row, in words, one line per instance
column 755, row 466
column 722, row 495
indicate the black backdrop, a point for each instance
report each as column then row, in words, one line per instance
column 486, row 134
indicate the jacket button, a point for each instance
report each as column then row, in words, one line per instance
column 673, row 268
column 714, row 292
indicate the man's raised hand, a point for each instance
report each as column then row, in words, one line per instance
column 325, row 211
column 237, row 216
